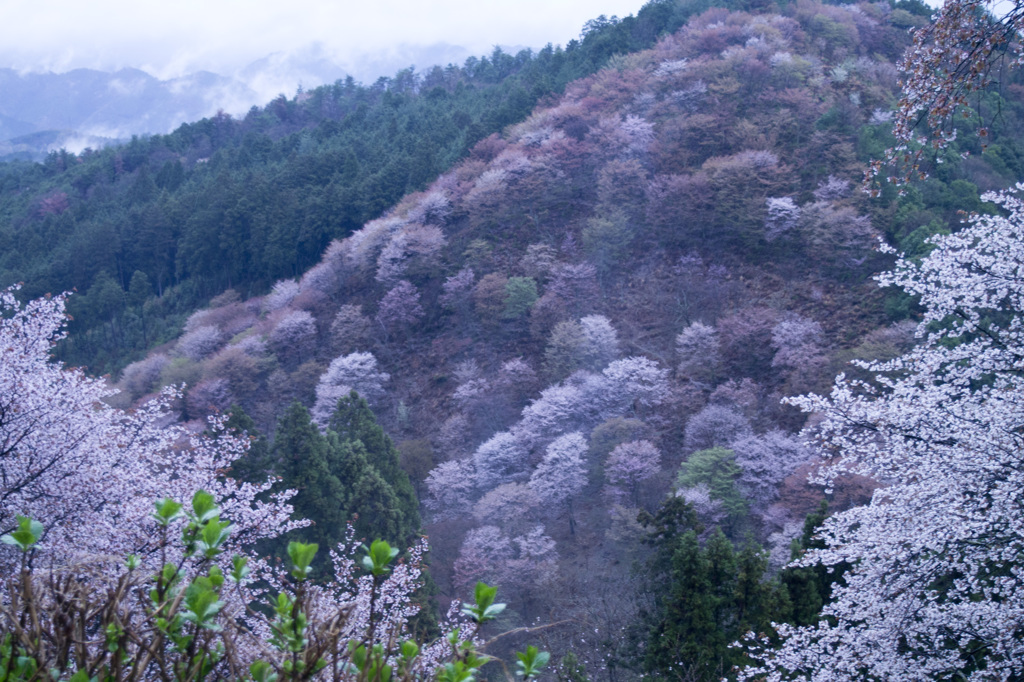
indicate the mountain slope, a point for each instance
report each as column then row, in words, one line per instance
column 652, row 260
column 600, row 305
column 273, row 188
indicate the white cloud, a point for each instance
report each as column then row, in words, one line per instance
column 170, row 39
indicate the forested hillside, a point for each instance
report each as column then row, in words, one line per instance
column 242, row 203
column 609, row 300
column 577, row 338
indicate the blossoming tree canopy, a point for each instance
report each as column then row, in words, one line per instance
column 937, row 585
column 957, row 54
column 71, row 462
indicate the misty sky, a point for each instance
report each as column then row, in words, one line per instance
column 169, row 38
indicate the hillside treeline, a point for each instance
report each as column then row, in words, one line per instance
column 578, row 337
column 604, row 304
column 149, row 230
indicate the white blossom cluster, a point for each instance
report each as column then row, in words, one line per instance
column 90, row 473
column 937, row 585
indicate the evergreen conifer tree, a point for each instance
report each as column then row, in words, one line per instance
column 303, row 458
column 356, row 427
column 257, row 462
column 376, row 509
column 350, row 474
column 686, row 632
column 722, row 574
column 809, row 587
column 710, row 597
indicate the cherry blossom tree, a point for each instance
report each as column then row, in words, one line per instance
column 457, row 291
column 585, row 399
column 710, row 510
column 798, row 342
column 781, row 216
column 501, row 459
column 473, row 386
column 835, row 234
column 452, row 436
column 600, row 341
column 281, row 295
column 766, row 460
column 349, row 329
column 142, row 377
column 353, row 372
column 294, row 337
column 559, row 407
column 433, row 209
column 517, row 376
column 400, row 307
column 485, row 551
column 700, row 353
column 635, row 383
column 561, row 475
column 715, row 425
column 70, row 462
column 451, row 488
column 414, row 245
column 833, row 188
column 638, row 134
column 519, row 563
column 200, row 342
column 952, row 57
column 590, row 344
column 208, row 396
column 796, row 339
column 935, row 589
column 538, row 261
column 629, row 465
column 507, row 505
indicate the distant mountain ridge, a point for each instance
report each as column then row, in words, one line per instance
column 43, row 112
column 85, row 107
column 127, row 101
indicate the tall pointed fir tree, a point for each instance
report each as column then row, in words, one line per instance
column 303, row 460
column 684, row 637
column 355, row 425
column 257, row 462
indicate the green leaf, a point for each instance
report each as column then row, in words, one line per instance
column 202, row 604
column 283, row 607
column 212, row 535
column 27, row 534
column 262, row 671
column 239, row 568
column 358, row 657
column 484, row 595
column 458, row 671
column 204, row 505
column 167, row 510
column 485, row 608
column 301, row 554
column 216, row 577
column 378, row 556
column 530, row 662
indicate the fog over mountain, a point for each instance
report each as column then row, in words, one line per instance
column 41, row 112
column 75, row 76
